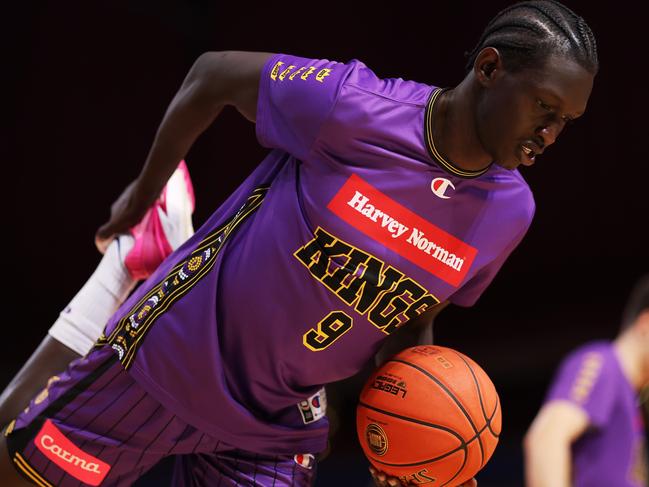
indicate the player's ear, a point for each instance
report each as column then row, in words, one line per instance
column 642, row 323
column 488, row 66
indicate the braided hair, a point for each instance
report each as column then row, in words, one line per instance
column 526, row 33
column 637, row 303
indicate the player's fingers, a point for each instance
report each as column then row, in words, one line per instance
column 379, row 478
column 103, row 238
column 470, row 483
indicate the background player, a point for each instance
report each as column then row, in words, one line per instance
column 590, row 430
column 321, row 126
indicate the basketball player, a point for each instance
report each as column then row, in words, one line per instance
column 381, row 201
column 590, row 430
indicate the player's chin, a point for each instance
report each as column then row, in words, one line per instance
column 509, row 164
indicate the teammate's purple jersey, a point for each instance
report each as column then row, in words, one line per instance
column 352, row 225
column 613, row 450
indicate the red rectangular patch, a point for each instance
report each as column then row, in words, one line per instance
column 81, row 465
column 381, row 218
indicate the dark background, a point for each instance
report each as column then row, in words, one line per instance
column 88, row 83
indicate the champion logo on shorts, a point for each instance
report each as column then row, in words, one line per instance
column 305, row 460
column 81, row 465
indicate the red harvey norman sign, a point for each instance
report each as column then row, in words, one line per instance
column 379, row 217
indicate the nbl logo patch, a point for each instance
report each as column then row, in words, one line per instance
column 313, row 408
column 376, row 439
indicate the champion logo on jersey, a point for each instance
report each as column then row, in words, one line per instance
column 439, row 187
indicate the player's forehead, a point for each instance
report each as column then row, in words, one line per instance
column 561, row 82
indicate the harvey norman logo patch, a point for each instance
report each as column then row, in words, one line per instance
column 379, row 217
column 81, row 465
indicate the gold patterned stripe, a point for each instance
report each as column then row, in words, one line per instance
column 10, row 427
column 222, row 233
column 256, row 197
column 430, row 142
column 205, row 243
column 28, row 470
column 172, row 298
column 181, row 290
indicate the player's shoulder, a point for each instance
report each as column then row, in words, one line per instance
column 595, row 348
column 358, row 83
column 508, row 190
column 592, row 359
column 391, row 89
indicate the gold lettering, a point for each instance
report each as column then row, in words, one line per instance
column 362, row 281
column 275, row 70
column 285, row 72
column 307, row 73
column 322, row 74
column 295, row 73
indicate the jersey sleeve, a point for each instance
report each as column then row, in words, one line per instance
column 585, row 380
column 296, row 95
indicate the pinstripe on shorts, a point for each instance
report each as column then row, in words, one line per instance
column 94, row 425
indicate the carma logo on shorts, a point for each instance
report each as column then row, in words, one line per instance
column 57, row 448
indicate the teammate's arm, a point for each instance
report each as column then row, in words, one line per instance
column 548, row 459
column 416, row 332
column 215, row 80
column 50, row 357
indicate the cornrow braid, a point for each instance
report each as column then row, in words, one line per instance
column 637, row 303
column 526, row 33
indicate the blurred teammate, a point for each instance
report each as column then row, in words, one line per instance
column 590, row 431
column 381, row 201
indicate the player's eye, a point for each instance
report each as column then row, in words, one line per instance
column 568, row 120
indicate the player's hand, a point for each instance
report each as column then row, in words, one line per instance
column 125, row 212
column 382, row 480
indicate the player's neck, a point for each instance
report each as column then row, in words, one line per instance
column 630, row 358
column 454, row 129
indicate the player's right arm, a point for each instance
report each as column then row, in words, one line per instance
column 215, row 80
column 548, row 459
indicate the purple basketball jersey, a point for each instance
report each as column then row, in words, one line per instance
column 351, row 226
column 613, row 451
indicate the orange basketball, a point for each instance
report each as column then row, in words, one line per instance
column 429, row 414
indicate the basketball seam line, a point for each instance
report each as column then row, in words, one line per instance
column 484, row 413
column 475, row 380
column 463, row 446
column 446, row 389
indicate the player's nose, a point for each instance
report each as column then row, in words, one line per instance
column 549, row 133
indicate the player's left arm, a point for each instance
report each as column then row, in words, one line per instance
column 418, row 331
column 547, row 444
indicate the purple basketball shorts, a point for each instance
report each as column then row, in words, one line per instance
column 94, row 425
